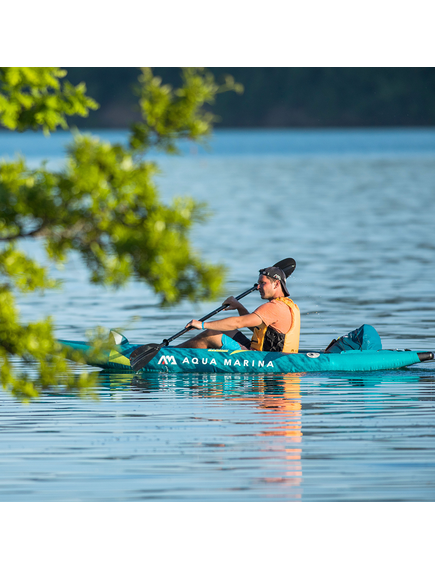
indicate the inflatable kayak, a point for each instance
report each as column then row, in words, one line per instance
column 180, row 360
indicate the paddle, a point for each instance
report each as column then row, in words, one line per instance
column 144, row 354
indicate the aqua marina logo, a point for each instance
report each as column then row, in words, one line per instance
column 166, row 360
column 228, row 362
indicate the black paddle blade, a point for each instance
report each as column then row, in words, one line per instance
column 143, row 355
column 286, row 265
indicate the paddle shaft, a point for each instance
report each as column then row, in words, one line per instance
column 207, row 316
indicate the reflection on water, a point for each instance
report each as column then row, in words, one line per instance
column 211, row 437
column 284, row 400
column 356, row 209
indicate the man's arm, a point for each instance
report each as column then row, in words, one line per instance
column 227, row 324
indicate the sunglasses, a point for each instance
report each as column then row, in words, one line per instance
column 271, row 274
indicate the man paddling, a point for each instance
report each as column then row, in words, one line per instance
column 276, row 324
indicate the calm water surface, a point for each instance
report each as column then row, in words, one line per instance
column 356, row 209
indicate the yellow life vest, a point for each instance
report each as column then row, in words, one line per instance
column 267, row 339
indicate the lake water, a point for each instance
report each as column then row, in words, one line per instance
column 356, row 209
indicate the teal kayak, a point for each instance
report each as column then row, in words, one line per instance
column 181, row 360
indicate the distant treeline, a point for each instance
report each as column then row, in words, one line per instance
column 281, row 96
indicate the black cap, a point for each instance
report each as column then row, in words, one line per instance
column 278, row 274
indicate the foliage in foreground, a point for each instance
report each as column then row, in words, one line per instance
column 103, row 203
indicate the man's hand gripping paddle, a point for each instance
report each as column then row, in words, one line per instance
column 144, row 354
